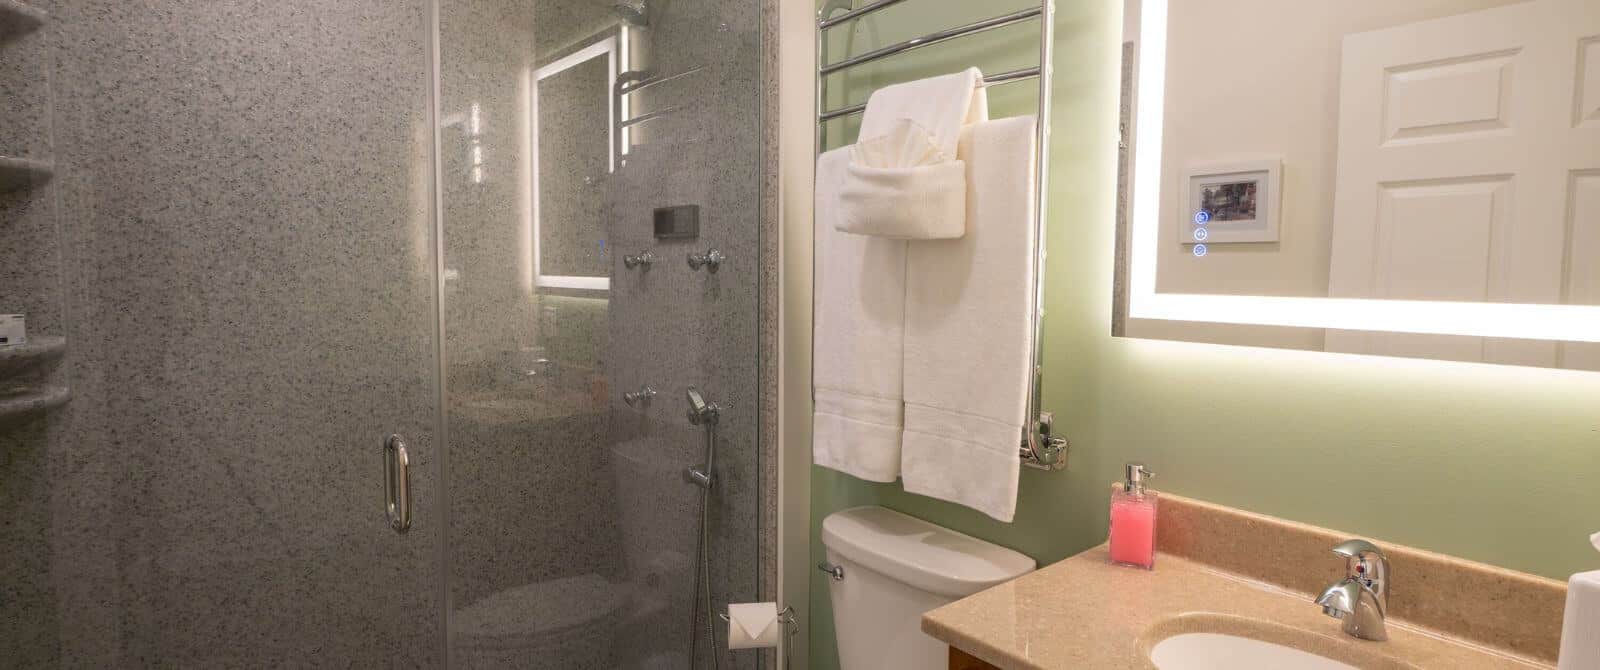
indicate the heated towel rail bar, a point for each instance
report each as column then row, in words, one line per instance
column 988, row 80
column 1040, row 448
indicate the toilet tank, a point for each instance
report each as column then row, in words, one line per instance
column 897, row 567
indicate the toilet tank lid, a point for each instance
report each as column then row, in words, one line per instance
column 921, row 554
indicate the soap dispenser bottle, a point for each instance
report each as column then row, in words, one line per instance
column 1133, row 520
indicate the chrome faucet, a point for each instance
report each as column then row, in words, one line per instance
column 1361, row 599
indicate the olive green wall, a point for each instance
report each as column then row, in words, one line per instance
column 1495, row 464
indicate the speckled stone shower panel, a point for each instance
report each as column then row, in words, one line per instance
column 245, row 195
column 31, row 254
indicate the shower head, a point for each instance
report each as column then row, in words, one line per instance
column 700, row 411
column 635, row 12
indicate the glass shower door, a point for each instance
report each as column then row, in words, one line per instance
column 573, row 330
column 249, row 309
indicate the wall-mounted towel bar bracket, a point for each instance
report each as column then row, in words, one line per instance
column 1043, row 451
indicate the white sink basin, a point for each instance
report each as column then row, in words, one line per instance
column 1214, row 651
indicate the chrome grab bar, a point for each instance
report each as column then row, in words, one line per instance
column 397, row 483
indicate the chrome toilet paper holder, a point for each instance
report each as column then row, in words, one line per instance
column 785, row 617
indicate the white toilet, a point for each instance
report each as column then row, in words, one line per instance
column 897, row 567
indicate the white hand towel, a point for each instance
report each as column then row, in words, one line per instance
column 860, row 320
column 969, row 331
column 904, row 180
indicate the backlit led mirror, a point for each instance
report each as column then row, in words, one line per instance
column 1364, row 176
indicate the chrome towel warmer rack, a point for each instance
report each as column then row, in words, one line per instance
column 631, row 82
column 1040, row 449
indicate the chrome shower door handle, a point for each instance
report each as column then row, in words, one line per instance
column 397, row 483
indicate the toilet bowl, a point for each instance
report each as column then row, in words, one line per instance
column 897, row 567
column 562, row 623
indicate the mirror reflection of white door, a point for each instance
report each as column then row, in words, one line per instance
column 1469, row 169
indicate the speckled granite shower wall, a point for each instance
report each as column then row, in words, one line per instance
column 243, row 226
column 244, row 202
column 30, row 284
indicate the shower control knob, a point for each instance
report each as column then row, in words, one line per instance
column 643, row 259
column 644, row 393
column 712, row 259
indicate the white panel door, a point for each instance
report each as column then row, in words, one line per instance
column 1459, row 144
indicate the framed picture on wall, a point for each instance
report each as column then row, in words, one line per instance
column 1231, row 202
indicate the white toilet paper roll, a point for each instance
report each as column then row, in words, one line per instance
column 753, row 625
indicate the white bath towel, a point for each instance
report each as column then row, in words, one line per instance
column 904, row 180
column 858, row 349
column 969, row 331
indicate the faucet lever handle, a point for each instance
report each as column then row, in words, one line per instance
column 1366, row 563
column 1358, row 549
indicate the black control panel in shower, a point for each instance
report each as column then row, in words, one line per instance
column 678, row 223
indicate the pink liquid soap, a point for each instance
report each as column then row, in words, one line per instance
column 1133, row 521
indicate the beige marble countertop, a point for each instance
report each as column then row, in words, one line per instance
column 1084, row 612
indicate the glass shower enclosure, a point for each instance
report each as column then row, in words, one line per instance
column 271, row 243
column 587, row 150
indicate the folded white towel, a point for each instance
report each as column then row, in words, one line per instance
column 968, row 331
column 904, row 180
column 941, row 106
column 900, row 186
column 860, row 320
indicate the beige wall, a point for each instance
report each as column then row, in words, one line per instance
column 1260, row 78
column 796, row 102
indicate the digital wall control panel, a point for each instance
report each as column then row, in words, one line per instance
column 677, row 223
